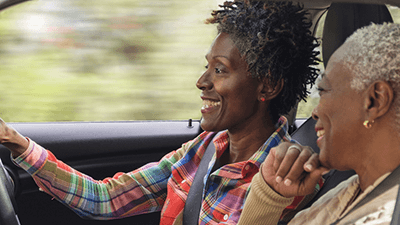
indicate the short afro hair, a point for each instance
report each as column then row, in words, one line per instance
column 277, row 43
column 373, row 53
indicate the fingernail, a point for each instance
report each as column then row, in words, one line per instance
column 288, row 182
column 309, row 167
column 278, row 179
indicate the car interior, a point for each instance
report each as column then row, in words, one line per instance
column 101, row 149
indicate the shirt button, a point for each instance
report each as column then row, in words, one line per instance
column 183, row 181
column 247, row 167
column 226, row 217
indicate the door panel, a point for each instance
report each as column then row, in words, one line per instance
column 99, row 150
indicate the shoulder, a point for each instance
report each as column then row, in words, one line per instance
column 329, row 207
column 377, row 211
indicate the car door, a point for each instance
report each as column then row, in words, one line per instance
column 99, row 149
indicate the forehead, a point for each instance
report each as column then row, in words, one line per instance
column 336, row 71
column 224, row 46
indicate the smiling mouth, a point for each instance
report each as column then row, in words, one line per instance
column 320, row 133
column 208, row 104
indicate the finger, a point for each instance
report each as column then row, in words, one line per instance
column 267, row 165
column 297, row 172
column 288, row 161
column 312, row 163
column 267, row 170
column 312, row 179
column 280, row 153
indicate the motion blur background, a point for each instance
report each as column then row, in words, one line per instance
column 105, row 60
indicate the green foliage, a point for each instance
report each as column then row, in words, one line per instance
column 72, row 60
column 103, row 60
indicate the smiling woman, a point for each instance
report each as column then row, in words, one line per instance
column 253, row 77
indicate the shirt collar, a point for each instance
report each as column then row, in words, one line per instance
column 280, row 135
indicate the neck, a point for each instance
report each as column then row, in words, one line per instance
column 243, row 143
column 382, row 156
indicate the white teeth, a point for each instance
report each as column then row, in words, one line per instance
column 320, row 133
column 208, row 104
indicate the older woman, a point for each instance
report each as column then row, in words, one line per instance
column 358, row 120
column 258, row 68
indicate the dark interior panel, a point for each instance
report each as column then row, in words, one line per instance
column 99, row 150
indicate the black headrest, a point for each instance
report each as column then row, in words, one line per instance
column 8, row 3
column 345, row 18
column 306, row 134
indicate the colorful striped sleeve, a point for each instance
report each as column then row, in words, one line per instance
column 123, row 195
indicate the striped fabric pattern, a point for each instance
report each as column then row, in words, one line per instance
column 159, row 186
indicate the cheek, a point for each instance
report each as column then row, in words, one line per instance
column 236, row 93
column 342, row 130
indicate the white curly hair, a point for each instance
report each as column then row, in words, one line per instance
column 374, row 54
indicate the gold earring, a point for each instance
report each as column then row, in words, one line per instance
column 368, row 124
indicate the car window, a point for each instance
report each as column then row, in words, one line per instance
column 72, row 60
column 305, row 108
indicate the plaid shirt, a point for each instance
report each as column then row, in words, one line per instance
column 162, row 185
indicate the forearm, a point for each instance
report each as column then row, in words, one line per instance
column 13, row 140
column 106, row 199
column 263, row 206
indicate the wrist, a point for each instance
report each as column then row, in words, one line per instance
column 15, row 142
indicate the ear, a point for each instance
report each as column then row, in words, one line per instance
column 269, row 91
column 379, row 99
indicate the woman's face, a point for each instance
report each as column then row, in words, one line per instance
column 339, row 116
column 229, row 94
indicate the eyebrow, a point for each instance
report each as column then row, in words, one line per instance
column 217, row 56
column 221, row 56
column 324, row 78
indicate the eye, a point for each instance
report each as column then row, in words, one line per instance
column 217, row 70
column 320, row 89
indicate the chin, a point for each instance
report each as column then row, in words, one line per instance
column 206, row 127
column 324, row 161
column 210, row 127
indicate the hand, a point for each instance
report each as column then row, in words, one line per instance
column 292, row 170
column 11, row 139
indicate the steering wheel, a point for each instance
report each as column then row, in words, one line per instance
column 7, row 212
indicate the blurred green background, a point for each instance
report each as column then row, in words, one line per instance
column 74, row 60
column 102, row 60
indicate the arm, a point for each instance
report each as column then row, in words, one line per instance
column 263, row 205
column 125, row 194
column 12, row 140
column 286, row 172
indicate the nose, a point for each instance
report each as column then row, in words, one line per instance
column 314, row 113
column 204, row 82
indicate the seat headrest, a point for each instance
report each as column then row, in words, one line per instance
column 345, row 18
